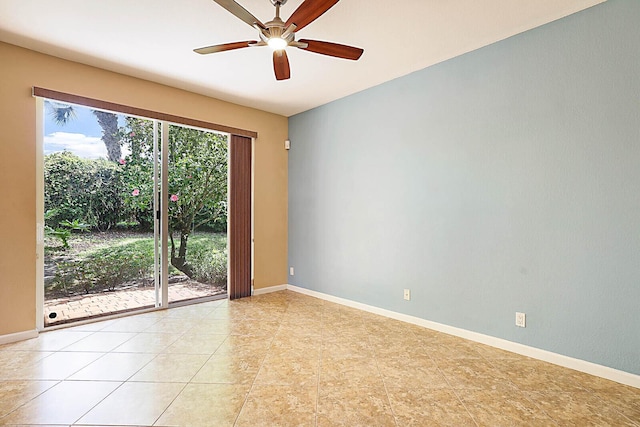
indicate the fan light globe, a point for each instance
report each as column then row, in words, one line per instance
column 276, row 43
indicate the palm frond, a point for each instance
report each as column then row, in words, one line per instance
column 61, row 113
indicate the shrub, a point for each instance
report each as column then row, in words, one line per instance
column 82, row 190
column 111, row 271
column 209, row 267
column 131, row 259
column 65, row 277
column 73, row 275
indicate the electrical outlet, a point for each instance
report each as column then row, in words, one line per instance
column 407, row 294
column 290, row 271
column 521, row 320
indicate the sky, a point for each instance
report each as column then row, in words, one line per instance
column 80, row 135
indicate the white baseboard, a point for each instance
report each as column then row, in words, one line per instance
column 269, row 289
column 18, row 336
column 525, row 350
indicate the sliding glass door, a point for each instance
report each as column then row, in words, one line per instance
column 135, row 213
column 197, row 213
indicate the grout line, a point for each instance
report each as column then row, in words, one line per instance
column 456, row 394
column 384, row 383
column 33, row 398
column 257, row 373
column 101, row 400
column 318, row 385
column 170, row 403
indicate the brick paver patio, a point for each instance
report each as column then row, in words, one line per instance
column 95, row 305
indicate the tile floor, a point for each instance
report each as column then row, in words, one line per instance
column 285, row 359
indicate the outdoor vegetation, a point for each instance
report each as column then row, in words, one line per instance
column 99, row 215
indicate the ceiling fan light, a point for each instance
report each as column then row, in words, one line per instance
column 277, row 43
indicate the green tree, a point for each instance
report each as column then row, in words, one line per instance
column 197, row 192
column 137, row 171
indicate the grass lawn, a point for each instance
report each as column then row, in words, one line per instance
column 98, row 261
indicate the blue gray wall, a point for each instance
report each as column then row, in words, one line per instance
column 504, row 180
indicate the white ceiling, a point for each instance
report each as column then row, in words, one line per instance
column 154, row 40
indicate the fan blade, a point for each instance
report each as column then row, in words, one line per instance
column 309, row 11
column 281, row 65
column 223, row 47
column 240, row 12
column 333, row 49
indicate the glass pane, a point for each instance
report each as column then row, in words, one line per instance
column 197, row 204
column 99, row 244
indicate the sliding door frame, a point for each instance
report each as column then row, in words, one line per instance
column 39, row 214
column 163, row 121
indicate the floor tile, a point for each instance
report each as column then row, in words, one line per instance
column 203, row 405
column 579, row 408
column 275, row 370
column 245, row 346
column 300, row 327
column 411, row 372
column 57, row 366
column 171, row 368
column 295, row 346
column 92, row 326
column 16, row 393
column 357, row 372
column 139, row 404
column 402, row 349
column 346, row 348
column 101, row 341
column 196, row 344
column 12, row 362
column 452, row 351
column 254, row 328
column 426, row 407
column 472, row 374
column 148, row 343
column 289, row 359
column 530, row 374
column 503, row 407
column 196, row 311
column 64, row 403
column 625, row 400
column 213, row 326
column 492, row 353
column 113, row 367
column 130, row 324
column 48, row 341
column 354, row 406
column 43, row 425
column 172, row 326
column 228, row 369
column 272, row 405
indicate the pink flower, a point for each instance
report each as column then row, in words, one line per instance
column 122, row 161
column 132, row 134
column 135, row 192
column 174, row 198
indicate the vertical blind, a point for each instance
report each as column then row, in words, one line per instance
column 240, row 217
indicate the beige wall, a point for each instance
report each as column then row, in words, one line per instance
column 20, row 70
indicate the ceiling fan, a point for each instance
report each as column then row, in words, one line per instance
column 278, row 34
